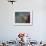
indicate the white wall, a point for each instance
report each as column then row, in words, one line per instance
column 9, row 31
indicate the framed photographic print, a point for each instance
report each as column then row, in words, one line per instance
column 23, row 18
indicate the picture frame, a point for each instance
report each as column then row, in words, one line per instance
column 23, row 18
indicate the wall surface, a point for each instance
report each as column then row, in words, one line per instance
column 8, row 31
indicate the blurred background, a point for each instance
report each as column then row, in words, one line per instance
column 8, row 30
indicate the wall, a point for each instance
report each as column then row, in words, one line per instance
column 9, row 31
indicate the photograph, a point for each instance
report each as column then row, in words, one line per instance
column 23, row 18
